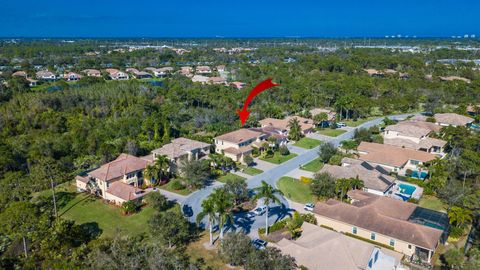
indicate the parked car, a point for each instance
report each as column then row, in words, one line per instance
column 341, row 124
column 309, row 207
column 259, row 243
column 260, row 210
column 250, row 215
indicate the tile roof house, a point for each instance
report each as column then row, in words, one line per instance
column 394, row 158
column 181, row 148
column 72, row 76
column 200, row 79
column 203, row 70
column 306, row 125
column 217, row 80
column 455, row 78
column 376, row 179
column 186, row 71
column 92, row 72
column 162, row 72
column 330, row 114
column 238, row 143
column 319, row 248
column 116, row 74
column 452, row 119
column 20, row 73
column 414, row 135
column 126, row 171
column 46, row 75
column 406, row 227
column 238, row 85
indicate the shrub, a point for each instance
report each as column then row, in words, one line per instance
column 129, row 207
column 369, row 241
column 157, row 201
column 234, row 248
column 310, row 218
column 336, row 160
column 248, row 160
column 176, row 185
column 456, row 231
column 275, row 226
column 327, row 227
column 305, row 180
column 431, row 119
column 284, row 150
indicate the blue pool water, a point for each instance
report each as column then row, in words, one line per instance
column 419, row 175
column 406, row 189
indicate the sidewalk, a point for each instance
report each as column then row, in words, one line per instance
column 244, row 175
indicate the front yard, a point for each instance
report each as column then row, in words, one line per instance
column 313, row 166
column 307, row 143
column 105, row 218
column 229, row 176
column 295, row 190
column 175, row 186
column 249, row 170
column 278, row 158
column 359, row 121
column 331, row 132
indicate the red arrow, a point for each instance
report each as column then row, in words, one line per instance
column 262, row 86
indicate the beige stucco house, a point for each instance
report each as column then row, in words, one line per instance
column 238, row 143
column 391, row 222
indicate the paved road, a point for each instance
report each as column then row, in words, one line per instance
column 192, row 204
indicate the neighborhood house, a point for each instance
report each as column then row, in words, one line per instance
column 306, row 125
column 117, row 181
column 237, row 144
column 403, row 161
column 406, row 227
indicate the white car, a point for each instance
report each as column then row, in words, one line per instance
column 341, row 124
column 260, row 210
column 309, row 207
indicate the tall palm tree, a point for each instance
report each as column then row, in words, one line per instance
column 295, row 132
column 208, row 209
column 269, row 195
column 459, row 215
column 163, row 166
column 223, row 205
column 150, row 173
column 341, row 187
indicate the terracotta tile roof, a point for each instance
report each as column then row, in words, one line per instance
column 330, row 114
column 179, row 147
column 428, row 143
column 319, row 248
column 239, row 136
column 19, row 73
column 124, row 164
column 453, row 119
column 371, row 177
column 124, row 191
column 391, row 155
column 305, row 123
column 238, row 151
column 409, row 129
column 82, row 178
column 382, row 215
column 453, row 78
column 92, row 72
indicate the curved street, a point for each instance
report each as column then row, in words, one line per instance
column 191, row 205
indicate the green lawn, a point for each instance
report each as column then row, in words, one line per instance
column 307, row 143
column 87, row 209
column 169, row 187
column 360, row 121
column 229, row 176
column 313, row 166
column 250, row 170
column 295, row 190
column 331, row 132
column 432, row 202
column 277, row 158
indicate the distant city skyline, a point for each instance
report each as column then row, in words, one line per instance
column 141, row 18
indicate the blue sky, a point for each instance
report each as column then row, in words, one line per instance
column 187, row 18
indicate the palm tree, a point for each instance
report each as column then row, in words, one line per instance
column 150, row 173
column 163, row 166
column 208, row 209
column 295, row 132
column 320, row 118
column 268, row 194
column 356, row 183
column 459, row 215
column 223, row 204
column 341, row 187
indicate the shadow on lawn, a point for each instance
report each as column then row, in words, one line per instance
column 88, row 197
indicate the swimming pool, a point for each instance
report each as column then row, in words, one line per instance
column 406, row 189
column 419, row 175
